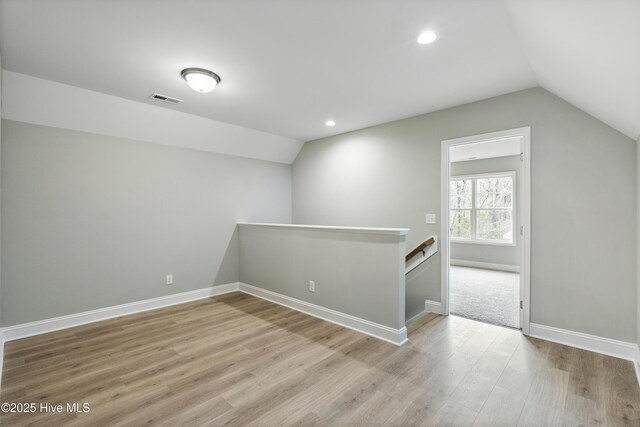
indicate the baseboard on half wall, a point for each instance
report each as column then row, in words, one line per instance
column 620, row 349
column 1, row 354
column 385, row 333
column 433, row 307
column 24, row 330
column 63, row 322
column 636, row 363
column 485, row 265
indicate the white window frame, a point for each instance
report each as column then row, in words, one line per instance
column 474, row 217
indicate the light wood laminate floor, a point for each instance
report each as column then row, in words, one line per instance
column 238, row 360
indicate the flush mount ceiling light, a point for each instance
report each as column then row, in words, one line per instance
column 427, row 37
column 200, row 80
column 330, row 123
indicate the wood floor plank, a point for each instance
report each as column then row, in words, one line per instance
column 478, row 384
column 546, row 400
column 622, row 395
column 375, row 410
column 502, row 408
column 452, row 414
column 415, row 412
column 580, row 411
column 238, row 360
column 586, row 390
column 197, row 415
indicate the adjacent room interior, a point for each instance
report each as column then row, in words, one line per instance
column 335, row 213
column 485, row 231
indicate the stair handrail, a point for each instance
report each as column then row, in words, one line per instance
column 420, row 248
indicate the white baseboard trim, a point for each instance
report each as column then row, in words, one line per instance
column 63, row 322
column 610, row 347
column 636, row 363
column 485, row 265
column 385, row 333
column 10, row 333
column 416, row 317
column 1, row 354
column 433, row 306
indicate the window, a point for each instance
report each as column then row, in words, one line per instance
column 481, row 208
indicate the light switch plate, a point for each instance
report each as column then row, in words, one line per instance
column 430, row 218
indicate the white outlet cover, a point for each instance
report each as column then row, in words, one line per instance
column 430, row 218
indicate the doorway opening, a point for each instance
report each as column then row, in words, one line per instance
column 485, row 227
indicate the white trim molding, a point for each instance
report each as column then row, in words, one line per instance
column 474, row 178
column 385, row 333
column 341, row 229
column 636, row 363
column 376, row 330
column 485, row 265
column 63, row 322
column 1, row 354
column 523, row 221
column 620, row 349
column 416, row 317
column 433, row 307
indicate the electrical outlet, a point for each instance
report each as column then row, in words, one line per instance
column 169, row 279
column 430, row 218
column 312, row 286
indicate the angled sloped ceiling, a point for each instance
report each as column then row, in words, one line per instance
column 587, row 52
column 289, row 66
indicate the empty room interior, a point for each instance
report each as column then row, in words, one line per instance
column 485, row 238
column 329, row 213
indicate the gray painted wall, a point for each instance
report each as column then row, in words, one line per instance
column 494, row 254
column 583, row 267
column 91, row 221
column 1, row 349
column 360, row 274
column 416, row 281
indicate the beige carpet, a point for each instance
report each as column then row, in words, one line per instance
column 486, row 295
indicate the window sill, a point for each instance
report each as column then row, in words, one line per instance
column 483, row 242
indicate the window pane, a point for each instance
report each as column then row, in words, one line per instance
column 494, row 224
column 460, row 194
column 494, row 192
column 460, row 223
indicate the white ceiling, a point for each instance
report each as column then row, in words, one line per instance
column 485, row 150
column 587, row 52
column 44, row 102
column 287, row 66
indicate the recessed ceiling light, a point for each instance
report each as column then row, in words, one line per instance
column 200, row 80
column 330, row 123
column 427, row 37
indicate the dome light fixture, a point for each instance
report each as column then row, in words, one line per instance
column 200, row 80
column 427, row 37
column 330, row 123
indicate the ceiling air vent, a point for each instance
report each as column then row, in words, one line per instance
column 165, row 98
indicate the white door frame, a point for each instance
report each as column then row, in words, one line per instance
column 524, row 189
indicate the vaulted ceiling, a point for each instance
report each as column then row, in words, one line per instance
column 587, row 52
column 287, row 66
